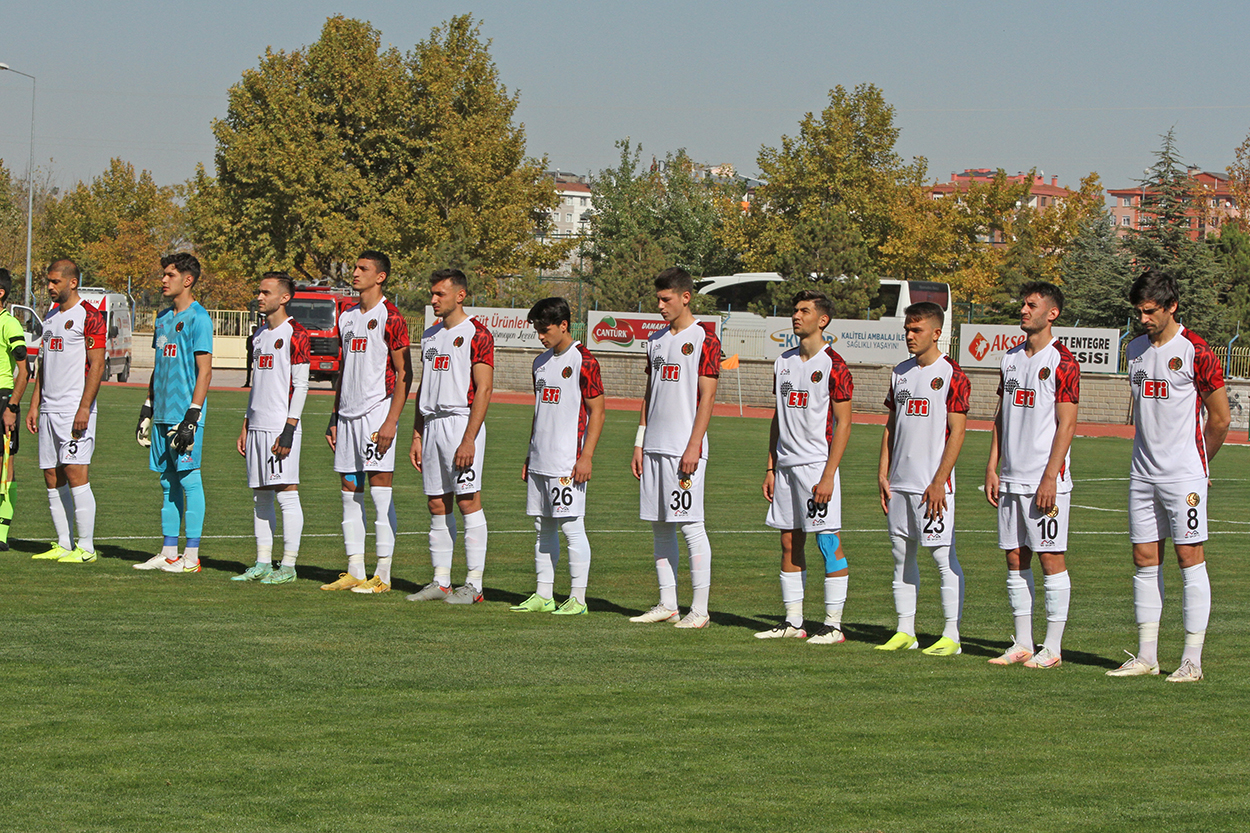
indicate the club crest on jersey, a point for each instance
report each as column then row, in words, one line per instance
column 69, row 325
column 1052, row 512
column 373, row 438
column 684, row 480
column 373, row 324
column 1174, row 363
column 459, row 342
column 1192, row 499
column 90, row 342
column 817, row 376
column 178, row 327
column 687, row 349
column 277, row 345
column 1044, row 374
column 567, row 372
column 566, row 481
column 937, row 383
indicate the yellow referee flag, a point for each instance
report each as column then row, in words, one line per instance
column 730, row 363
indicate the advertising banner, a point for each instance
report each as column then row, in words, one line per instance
column 857, row 342
column 627, row 332
column 508, row 326
column 983, row 345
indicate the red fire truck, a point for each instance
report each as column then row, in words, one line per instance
column 318, row 308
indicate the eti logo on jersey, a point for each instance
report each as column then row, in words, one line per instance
column 550, row 396
column 56, row 344
column 170, row 351
column 670, row 372
column 442, row 361
column 358, row 345
column 796, row 399
column 264, row 361
column 917, row 407
column 1154, row 388
column 1024, row 398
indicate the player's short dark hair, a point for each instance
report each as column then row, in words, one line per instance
column 66, row 267
column 676, row 279
column 285, row 284
column 184, row 262
column 549, row 312
column 6, row 284
column 379, row 260
column 1048, row 291
column 456, row 277
column 925, row 309
column 819, row 300
column 1155, row 285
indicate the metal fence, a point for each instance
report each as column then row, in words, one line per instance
column 226, row 322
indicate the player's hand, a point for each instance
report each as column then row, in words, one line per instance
column 822, row 492
column 32, row 420
column 934, row 499
column 241, row 442
column 1047, row 491
column 332, row 431
column 81, row 420
column 689, row 462
column 635, row 463
column 143, row 431
column 883, row 487
column 525, row 470
column 581, row 470
column 770, row 485
column 286, row 441
column 182, row 437
column 465, row 452
column 991, row 487
column 414, row 453
column 386, row 436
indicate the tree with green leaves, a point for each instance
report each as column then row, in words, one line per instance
column 1096, row 275
column 344, row 145
column 828, row 255
column 1232, row 251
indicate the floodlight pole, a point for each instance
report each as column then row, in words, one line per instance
column 30, row 173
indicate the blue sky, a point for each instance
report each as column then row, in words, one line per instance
column 1066, row 87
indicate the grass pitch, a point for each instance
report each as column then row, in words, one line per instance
column 135, row 701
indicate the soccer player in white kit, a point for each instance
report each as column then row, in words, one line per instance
column 376, row 373
column 568, row 419
column 63, row 412
column 670, row 449
column 928, row 404
column 1039, row 388
column 271, row 436
column 449, row 435
column 1173, row 376
column 810, row 429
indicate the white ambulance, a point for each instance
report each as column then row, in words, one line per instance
column 118, row 322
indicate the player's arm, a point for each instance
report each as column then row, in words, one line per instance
column 991, row 467
column 241, row 442
column 883, row 463
column 484, row 385
column 770, row 470
column 1065, row 429
column 401, row 358
column 418, row 428
column 21, row 374
column 935, row 495
column 635, row 463
column 1215, row 431
column 822, row 492
column 596, row 413
column 91, row 388
column 32, row 415
column 702, row 419
column 294, row 412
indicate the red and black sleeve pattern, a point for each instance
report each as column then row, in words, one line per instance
column 482, row 348
column 301, row 347
column 95, row 334
column 592, row 378
column 396, row 328
column 959, row 391
column 709, row 359
column 1208, row 375
column 841, row 385
column 1067, row 376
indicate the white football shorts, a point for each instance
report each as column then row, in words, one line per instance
column 1022, row 524
column 264, row 468
column 1161, row 510
column 439, row 441
column 58, row 445
column 356, row 447
column 548, row 496
column 668, row 496
column 906, row 519
column 793, row 506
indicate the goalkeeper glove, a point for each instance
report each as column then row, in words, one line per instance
column 182, row 437
column 143, row 432
column 287, row 438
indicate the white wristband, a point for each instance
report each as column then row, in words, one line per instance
column 642, row 432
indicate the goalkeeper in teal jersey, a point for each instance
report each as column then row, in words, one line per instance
column 171, row 423
column 13, row 377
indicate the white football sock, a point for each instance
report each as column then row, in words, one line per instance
column 664, row 535
column 546, row 555
column 354, row 531
column 385, row 525
column 951, row 588
column 1058, row 592
column 579, row 556
column 264, row 522
column 1148, row 608
column 475, row 547
column 84, row 516
column 792, row 596
column 60, row 517
column 1020, row 597
column 699, row 549
column 356, row 566
column 292, row 524
column 906, row 584
column 1195, row 609
column 442, row 545
column 835, row 599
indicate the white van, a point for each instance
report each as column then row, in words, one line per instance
column 734, row 292
column 119, row 323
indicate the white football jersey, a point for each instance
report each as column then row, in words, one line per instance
column 447, row 358
column 67, row 336
column 562, row 384
column 805, row 392
column 675, row 361
column 1167, row 383
column 274, row 352
column 921, row 398
column 368, row 372
column 1029, row 387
